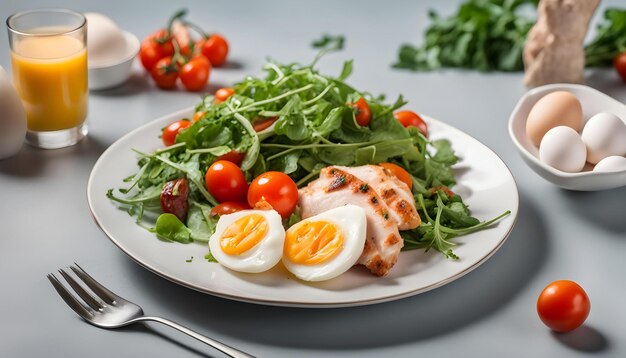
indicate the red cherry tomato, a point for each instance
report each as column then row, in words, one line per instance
column 449, row 193
column 195, row 74
column 399, row 172
column 410, row 118
column 226, row 182
column 197, row 116
column 155, row 47
column 233, row 156
column 362, row 112
column 620, row 65
column 263, row 123
column 222, row 94
column 165, row 73
column 228, row 207
column 170, row 132
column 563, row 306
column 215, row 48
column 275, row 188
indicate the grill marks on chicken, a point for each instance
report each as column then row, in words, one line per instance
column 394, row 193
column 339, row 186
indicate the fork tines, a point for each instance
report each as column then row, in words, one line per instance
column 90, row 304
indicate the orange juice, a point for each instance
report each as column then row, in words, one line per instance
column 50, row 75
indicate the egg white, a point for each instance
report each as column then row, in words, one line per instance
column 352, row 222
column 261, row 257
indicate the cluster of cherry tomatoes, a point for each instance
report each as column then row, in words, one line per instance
column 227, row 183
column 172, row 53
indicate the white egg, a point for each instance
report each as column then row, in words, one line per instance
column 12, row 118
column 605, row 136
column 248, row 240
column 105, row 41
column 325, row 245
column 611, row 164
column 563, row 149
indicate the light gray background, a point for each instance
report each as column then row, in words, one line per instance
column 45, row 222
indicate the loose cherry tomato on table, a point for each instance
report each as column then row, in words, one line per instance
column 563, row 306
column 171, row 131
column 262, row 124
column 233, row 156
column 155, row 47
column 620, row 65
column 362, row 112
column 226, row 182
column 214, row 48
column 228, row 207
column 410, row 118
column 275, row 188
column 222, row 94
column 399, row 172
column 165, row 73
column 195, row 74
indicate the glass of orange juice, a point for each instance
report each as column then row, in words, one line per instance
column 49, row 62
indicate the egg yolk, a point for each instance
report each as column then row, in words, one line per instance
column 313, row 242
column 243, row 234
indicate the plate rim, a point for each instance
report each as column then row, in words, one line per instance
column 290, row 303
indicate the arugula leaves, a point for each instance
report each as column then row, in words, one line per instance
column 487, row 35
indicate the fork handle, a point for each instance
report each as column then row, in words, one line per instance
column 228, row 350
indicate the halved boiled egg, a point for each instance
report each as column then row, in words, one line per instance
column 325, row 245
column 248, row 240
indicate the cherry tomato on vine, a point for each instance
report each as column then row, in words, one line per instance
column 275, row 188
column 399, row 172
column 155, row 47
column 171, row 131
column 263, row 123
column 233, row 156
column 215, row 48
column 563, row 306
column 226, row 182
column 195, row 74
column 223, row 94
column 620, row 65
column 228, row 207
column 362, row 112
column 410, row 118
column 165, row 73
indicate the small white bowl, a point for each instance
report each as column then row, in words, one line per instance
column 593, row 102
column 112, row 74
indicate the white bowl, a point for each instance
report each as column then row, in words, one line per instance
column 112, row 74
column 593, row 102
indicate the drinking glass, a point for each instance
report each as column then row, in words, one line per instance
column 49, row 62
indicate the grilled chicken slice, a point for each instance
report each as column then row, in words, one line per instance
column 396, row 194
column 336, row 187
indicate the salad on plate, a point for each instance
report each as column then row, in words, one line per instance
column 302, row 168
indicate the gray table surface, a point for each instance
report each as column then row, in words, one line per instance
column 45, row 222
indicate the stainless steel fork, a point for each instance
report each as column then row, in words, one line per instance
column 108, row 310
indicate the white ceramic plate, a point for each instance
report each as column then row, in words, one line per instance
column 484, row 182
column 593, row 102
